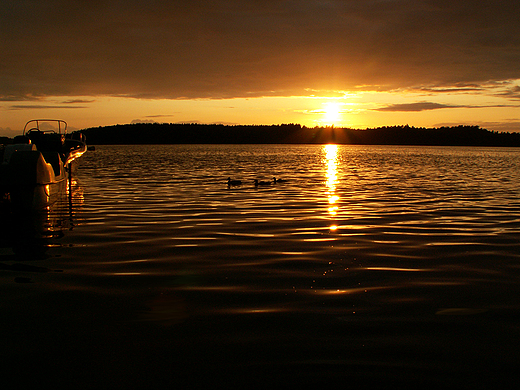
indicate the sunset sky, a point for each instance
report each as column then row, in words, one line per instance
column 351, row 63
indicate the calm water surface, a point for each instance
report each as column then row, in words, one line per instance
column 377, row 266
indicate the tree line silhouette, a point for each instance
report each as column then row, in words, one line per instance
column 171, row 133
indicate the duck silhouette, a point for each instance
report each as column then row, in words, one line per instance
column 233, row 182
column 275, row 180
column 261, row 183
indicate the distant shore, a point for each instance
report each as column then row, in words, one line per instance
column 170, row 133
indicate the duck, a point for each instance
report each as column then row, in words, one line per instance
column 275, row 180
column 233, row 182
column 261, row 183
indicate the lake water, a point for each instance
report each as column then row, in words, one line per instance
column 371, row 267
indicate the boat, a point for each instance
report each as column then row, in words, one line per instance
column 35, row 167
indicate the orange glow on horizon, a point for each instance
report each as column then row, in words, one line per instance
column 357, row 110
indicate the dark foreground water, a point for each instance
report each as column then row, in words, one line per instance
column 371, row 267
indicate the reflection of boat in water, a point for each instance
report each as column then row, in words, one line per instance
column 35, row 167
column 36, row 185
column 30, row 232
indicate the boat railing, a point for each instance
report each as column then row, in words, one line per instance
column 34, row 126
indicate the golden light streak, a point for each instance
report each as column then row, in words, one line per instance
column 125, row 273
column 331, row 160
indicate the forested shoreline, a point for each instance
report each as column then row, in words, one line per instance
column 164, row 133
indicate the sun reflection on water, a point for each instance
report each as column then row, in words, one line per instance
column 331, row 161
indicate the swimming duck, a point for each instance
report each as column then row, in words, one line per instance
column 275, row 180
column 233, row 182
column 261, row 183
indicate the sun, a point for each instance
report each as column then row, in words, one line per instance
column 332, row 113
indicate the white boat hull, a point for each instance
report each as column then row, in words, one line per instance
column 34, row 171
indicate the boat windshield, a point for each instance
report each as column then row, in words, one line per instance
column 46, row 126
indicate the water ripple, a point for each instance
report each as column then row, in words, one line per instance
column 367, row 256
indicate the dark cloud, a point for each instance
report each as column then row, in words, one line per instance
column 458, row 87
column 511, row 93
column 425, row 106
column 41, row 107
column 17, row 97
column 76, row 101
column 236, row 48
column 143, row 121
column 509, row 126
column 421, row 106
column 159, row 116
